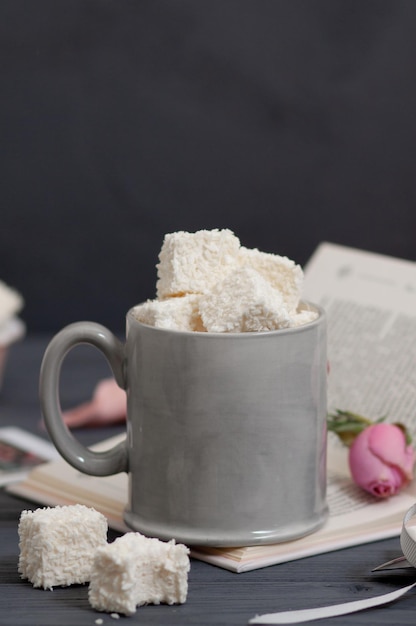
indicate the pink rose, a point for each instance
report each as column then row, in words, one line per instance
column 381, row 462
column 108, row 405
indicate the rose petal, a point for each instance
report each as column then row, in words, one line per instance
column 107, row 406
column 109, row 399
column 388, row 442
column 364, row 465
column 387, row 485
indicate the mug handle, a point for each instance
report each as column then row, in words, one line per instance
column 83, row 459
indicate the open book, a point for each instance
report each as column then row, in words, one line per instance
column 20, row 452
column 370, row 300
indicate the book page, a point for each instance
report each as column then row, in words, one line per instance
column 20, row 452
column 370, row 301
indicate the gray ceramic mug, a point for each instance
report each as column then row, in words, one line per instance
column 226, row 433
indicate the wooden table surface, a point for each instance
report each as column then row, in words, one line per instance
column 215, row 596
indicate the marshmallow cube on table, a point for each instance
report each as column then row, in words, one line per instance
column 10, row 303
column 135, row 570
column 10, row 332
column 11, row 327
column 57, row 545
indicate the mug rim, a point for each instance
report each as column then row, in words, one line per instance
column 307, row 305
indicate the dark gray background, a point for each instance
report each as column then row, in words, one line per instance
column 289, row 122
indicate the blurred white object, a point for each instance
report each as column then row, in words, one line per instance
column 12, row 330
column 11, row 302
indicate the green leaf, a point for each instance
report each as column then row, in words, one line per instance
column 347, row 425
